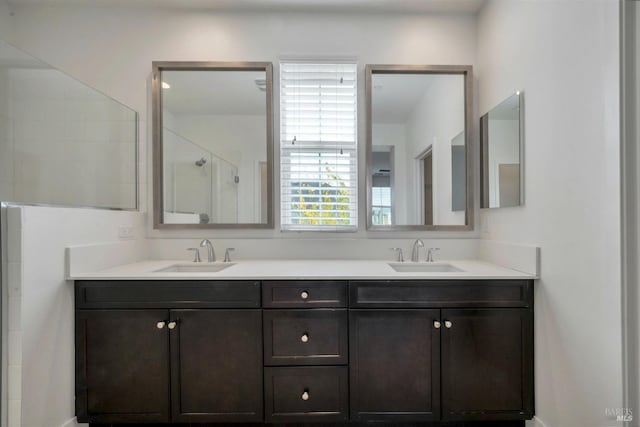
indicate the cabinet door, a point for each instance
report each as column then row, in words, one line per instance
column 394, row 365
column 487, row 364
column 216, row 365
column 122, row 366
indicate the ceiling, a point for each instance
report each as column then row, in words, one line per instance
column 395, row 96
column 398, row 6
column 213, row 92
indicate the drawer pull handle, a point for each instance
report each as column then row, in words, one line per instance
column 448, row 324
column 304, row 337
column 160, row 325
column 304, row 295
column 172, row 325
column 305, row 395
column 437, row 324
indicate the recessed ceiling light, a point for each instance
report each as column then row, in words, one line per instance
column 166, row 85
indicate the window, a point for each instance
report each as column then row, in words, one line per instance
column 381, row 205
column 318, row 146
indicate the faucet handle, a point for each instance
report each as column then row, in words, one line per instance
column 400, row 257
column 227, row 254
column 430, row 252
column 196, row 254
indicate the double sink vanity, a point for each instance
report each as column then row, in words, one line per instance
column 292, row 341
column 304, row 341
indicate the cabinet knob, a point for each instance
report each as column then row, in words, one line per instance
column 304, row 337
column 304, row 295
column 305, row 395
column 437, row 324
column 448, row 324
column 172, row 325
column 160, row 325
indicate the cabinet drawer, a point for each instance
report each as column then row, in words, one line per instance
column 305, row 337
column 318, row 393
column 167, row 294
column 440, row 293
column 308, row 293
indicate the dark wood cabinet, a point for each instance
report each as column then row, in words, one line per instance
column 487, row 364
column 458, row 351
column 305, row 337
column 168, row 365
column 310, row 393
column 304, row 293
column 394, row 365
column 216, row 365
column 122, row 366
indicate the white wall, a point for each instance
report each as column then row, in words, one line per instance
column 6, row 22
column 435, row 121
column 6, row 138
column 395, row 135
column 633, row 232
column 631, row 205
column 564, row 54
column 41, row 334
column 136, row 37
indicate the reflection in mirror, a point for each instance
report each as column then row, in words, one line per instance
column 62, row 142
column 501, row 154
column 418, row 149
column 215, row 144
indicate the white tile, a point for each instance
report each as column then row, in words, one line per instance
column 14, row 415
column 14, row 382
column 15, row 314
column 14, row 278
column 15, row 348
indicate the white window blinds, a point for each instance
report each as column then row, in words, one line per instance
column 318, row 146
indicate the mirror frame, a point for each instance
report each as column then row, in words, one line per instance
column 158, row 178
column 484, row 153
column 467, row 72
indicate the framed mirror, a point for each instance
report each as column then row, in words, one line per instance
column 419, row 147
column 212, row 145
column 501, row 154
column 63, row 143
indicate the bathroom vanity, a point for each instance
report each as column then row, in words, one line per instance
column 291, row 350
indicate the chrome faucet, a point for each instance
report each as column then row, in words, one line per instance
column 430, row 252
column 227, row 254
column 399, row 255
column 415, row 252
column 211, row 255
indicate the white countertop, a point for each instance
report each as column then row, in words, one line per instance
column 302, row 269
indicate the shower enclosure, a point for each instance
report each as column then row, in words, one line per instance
column 200, row 187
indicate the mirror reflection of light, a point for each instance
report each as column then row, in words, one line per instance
column 166, row 85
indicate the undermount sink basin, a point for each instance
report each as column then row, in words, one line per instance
column 195, row 268
column 420, row 267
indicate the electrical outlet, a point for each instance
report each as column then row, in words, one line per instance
column 125, row 232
